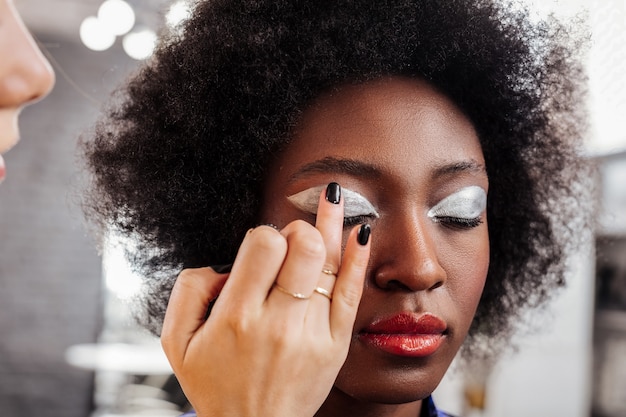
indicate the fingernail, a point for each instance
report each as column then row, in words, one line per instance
column 364, row 234
column 222, row 269
column 333, row 193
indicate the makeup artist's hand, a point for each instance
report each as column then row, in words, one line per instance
column 264, row 351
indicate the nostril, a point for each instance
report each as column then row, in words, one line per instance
column 43, row 81
column 395, row 284
column 436, row 285
column 36, row 96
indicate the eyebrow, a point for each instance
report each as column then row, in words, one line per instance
column 368, row 171
column 337, row 166
column 460, row 166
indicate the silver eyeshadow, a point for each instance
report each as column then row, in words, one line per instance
column 467, row 203
column 354, row 203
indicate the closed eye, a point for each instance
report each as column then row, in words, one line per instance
column 458, row 223
column 357, row 208
column 463, row 209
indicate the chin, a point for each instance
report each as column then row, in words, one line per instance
column 374, row 377
column 397, row 387
column 391, row 397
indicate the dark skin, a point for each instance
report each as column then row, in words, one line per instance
column 404, row 148
column 402, row 132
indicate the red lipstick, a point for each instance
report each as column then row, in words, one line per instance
column 406, row 334
column 2, row 169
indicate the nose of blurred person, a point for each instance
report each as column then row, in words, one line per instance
column 25, row 74
column 408, row 260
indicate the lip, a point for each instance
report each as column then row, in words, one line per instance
column 406, row 334
column 3, row 170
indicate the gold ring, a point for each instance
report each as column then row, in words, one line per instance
column 324, row 292
column 329, row 272
column 296, row 295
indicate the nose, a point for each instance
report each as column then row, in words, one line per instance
column 25, row 74
column 405, row 256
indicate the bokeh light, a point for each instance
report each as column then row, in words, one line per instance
column 140, row 44
column 117, row 16
column 95, row 35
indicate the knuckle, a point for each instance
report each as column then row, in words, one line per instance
column 308, row 242
column 267, row 239
column 239, row 326
column 239, row 321
column 281, row 337
column 183, row 282
column 191, row 281
column 187, row 275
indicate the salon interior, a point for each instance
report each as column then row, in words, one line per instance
column 69, row 345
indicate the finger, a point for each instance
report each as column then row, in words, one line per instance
column 330, row 224
column 319, row 312
column 256, row 266
column 186, row 310
column 300, row 271
column 349, row 286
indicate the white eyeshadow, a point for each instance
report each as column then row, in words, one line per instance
column 467, row 203
column 354, row 203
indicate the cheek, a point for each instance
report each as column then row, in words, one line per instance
column 467, row 273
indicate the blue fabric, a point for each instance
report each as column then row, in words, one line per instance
column 428, row 410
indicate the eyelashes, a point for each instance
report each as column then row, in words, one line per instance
column 355, row 205
column 462, row 209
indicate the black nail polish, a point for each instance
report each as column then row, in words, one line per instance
column 364, row 234
column 333, row 193
column 222, row 269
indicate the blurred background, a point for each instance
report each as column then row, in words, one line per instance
column 68, row 344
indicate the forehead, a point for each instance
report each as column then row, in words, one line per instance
column 402, row 126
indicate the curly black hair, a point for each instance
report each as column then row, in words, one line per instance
column 178, row 161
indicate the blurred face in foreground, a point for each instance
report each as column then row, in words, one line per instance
column 25, row 75
column 410, row 164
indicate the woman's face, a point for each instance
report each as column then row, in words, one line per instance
column 410, row 164
column 25, row 75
